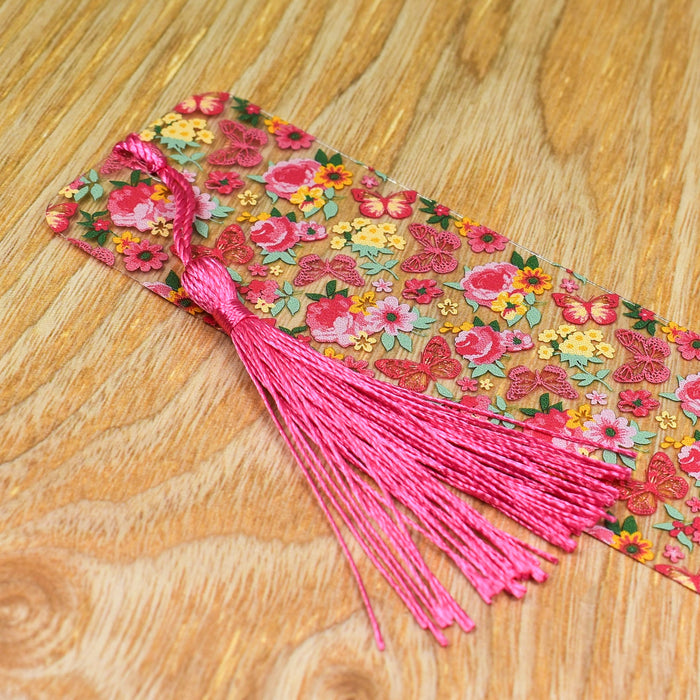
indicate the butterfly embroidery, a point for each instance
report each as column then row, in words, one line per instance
column 243, row 145
column 342, row 267
column 578, row 311
column 209, row 103
column 553, row 378
column 680, row 575
column 58, row 215
column 372, row 204
column 647, row 361
column 104, row 255
column 662, row 483
column 230, row 247
column 435, row 363
column 437, row 251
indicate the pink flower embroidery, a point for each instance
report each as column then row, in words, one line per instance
column 480, row 401
column 609, row 431
column 261, row 289
column 290, row 136
column 468, row 384
column 688, row 343
column 223, row 181
column 382, row 285
column 597, row 398
column 639, row 403
column 484, row 240
column 144, row 256
column 555, row 422
column 481, row 345
column 688, row 392
column 694, row 504
column 421, row 291
column 515, row 341
column 673, row 552
column 311, row 231
column 689, row 460
column 205, row 205
column 331, row 321
column 393, row 317
column 484, row 283
column 257, row 270
column 569, row 285
column 285, row 178
column 135, row 207
column 275, row 234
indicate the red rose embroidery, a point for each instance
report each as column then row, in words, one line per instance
column 689, row 393
column 481, row 345
column 261, row 289
column 275, row 234
column 285, row 178
column 480, row 401
column 134, row 207
column 484, row 283
column 689, row 459
column 331, row 321
column 554, row 422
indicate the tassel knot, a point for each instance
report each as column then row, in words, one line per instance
column 208, row 283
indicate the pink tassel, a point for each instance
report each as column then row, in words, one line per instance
column 388, row 460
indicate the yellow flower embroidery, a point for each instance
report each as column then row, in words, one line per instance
column 362, row 341
column 362, row 304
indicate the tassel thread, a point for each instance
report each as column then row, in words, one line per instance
column 389, row 462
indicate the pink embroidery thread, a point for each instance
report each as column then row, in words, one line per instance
column 390, row 461
column 342, row 267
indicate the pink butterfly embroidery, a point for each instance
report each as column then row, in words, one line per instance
column 230, row 247
column 647, row 361
column 437, row 251
column 600, row 309
column 209, row 103
column 435, row 363
column 102, row 254
column 552, row 378
column 243, row 145
column 342, row 267
column 372, row 204
column 662, row 483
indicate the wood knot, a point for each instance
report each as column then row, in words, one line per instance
column 42, row 614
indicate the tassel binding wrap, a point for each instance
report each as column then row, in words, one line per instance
column 372, row 465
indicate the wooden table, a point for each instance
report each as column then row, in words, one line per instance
column 141, row 557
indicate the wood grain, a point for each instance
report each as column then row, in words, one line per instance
column 142, row 556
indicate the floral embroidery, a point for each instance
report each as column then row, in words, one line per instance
column 398, row 286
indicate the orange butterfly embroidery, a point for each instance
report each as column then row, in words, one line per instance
column 553, row 378
column 372, row 204
column 662, row 483
column 435, row 363
column 647, row 361
column 578, row 311
column 58, row 215
column 209, row 103
column 230, row 247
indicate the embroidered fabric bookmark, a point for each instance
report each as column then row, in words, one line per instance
column 471, row 333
